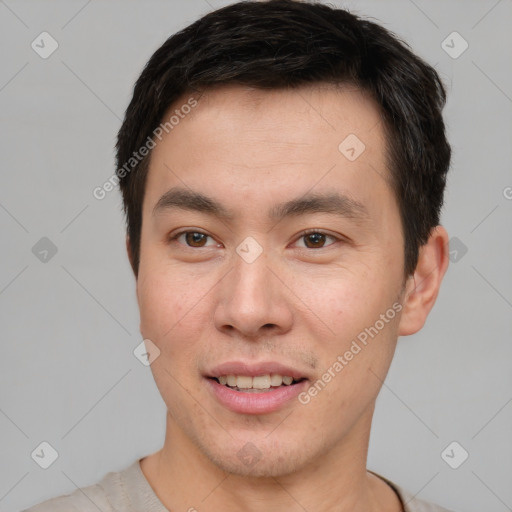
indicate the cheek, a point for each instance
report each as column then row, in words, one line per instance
column 170, row 318
column 355, row 355
column 348, row 304
column 358, row 319
column 170, row 310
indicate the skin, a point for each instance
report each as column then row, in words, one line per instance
column 301, row 302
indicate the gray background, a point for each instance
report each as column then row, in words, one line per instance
column 69, row 325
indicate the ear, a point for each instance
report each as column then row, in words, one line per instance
column 423, row 286
column 130, row 256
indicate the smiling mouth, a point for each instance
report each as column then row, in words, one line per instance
column 258, row 384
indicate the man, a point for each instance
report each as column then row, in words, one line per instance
column 282, row 166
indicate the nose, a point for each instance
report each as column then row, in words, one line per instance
column 254, row 300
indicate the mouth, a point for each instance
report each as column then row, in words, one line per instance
column 255, row 388
column 250, row 387
column 257, row 384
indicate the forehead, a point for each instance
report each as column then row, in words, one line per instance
column 304, row 116
column 241, row 139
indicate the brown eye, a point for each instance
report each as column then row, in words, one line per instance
column 195, row 239
column 192, row 239
column 316, row 239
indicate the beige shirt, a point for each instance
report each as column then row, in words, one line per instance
column 129, row 491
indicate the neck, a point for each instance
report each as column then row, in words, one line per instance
column 183, row 478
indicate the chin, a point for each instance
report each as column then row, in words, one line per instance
column 258, row 458
column 268, row 466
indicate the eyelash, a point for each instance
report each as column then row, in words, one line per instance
column 301, row 235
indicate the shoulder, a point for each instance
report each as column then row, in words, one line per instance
column 413, row 504
column 410, row 502
column 100, row 496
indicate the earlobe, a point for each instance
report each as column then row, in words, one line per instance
column 423, row 286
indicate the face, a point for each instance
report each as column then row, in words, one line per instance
column 229, row 284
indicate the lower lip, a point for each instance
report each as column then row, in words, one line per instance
column 256, row 403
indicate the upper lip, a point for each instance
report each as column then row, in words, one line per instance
column 253, row 369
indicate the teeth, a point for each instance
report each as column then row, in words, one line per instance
column 276, row 380
column 259, row 382
column 243, row 382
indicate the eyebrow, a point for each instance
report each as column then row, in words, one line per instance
column 333, row 202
